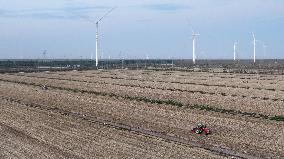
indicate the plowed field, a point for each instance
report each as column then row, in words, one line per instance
column 138, row 114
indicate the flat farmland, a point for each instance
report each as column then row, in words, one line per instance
column 141, row 113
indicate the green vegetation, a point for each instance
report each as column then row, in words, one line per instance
column 277, row 118
column 228, row 111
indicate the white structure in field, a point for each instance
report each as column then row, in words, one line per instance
column 254, row 48
column 235, row 50
column 194, row 35
column 97, row 36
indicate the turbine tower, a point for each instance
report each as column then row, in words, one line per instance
column 235, row 50
column 44, row 54
column 97, row 35
column 194, row 35
column 254, row 47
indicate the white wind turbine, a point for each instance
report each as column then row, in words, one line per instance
column 254, row 48
column 97, row 31
column 97, row 35
column 194, row 35
column 235, row 50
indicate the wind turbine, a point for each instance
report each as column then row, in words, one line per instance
column 97, row 31
column 235, row 50
column 254, row 47
column 194, row 35
column 44, row 54
column 97, row 34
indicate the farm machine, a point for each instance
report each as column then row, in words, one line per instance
column 200, row 128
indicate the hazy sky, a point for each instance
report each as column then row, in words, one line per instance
column 159, row 28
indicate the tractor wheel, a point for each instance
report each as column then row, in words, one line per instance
column 197, row 131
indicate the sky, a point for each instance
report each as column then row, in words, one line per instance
column 137, row 29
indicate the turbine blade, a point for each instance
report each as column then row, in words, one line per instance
column 106, row 14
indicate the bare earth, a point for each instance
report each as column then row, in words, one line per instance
column 67, row 120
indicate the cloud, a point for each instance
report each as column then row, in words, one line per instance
column 2, row 11
column 166, row 7
column 146, row 20
column 87, row 8
column 51, row 13
column 268, row 20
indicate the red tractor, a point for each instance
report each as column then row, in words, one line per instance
column 200, row 128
